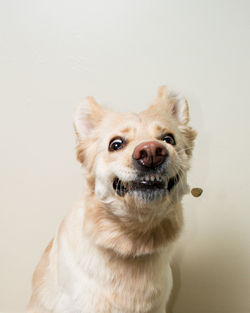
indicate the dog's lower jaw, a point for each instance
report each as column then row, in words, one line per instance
column 146, row 189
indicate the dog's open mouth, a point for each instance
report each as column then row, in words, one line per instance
column 149, row 183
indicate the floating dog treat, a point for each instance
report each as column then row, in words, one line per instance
column 196, row 192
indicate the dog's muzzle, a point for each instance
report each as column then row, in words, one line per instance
column 149, row 159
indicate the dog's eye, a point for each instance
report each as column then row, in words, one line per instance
column 169, row 138
column 116, row 144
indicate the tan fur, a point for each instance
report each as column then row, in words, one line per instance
column 132, row 238
column 111, row 253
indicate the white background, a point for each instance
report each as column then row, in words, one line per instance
column 53, row 54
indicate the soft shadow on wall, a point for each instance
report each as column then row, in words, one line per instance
column 208, row 271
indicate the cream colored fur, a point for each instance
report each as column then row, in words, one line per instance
column 111, row 254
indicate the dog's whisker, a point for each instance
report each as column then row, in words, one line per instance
column 184, row 149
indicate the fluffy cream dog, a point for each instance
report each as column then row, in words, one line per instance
column 111, row 253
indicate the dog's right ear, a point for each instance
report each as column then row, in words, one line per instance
column 87, row 116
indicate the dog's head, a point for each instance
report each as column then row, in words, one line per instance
column 136, row 160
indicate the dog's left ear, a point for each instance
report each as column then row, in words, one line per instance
column 86, row 117
column 177, row 106
column 175, row 103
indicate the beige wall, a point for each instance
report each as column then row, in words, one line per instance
column 53, row 54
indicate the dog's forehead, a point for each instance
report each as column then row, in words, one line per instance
column 135, row 123
column 115, row 120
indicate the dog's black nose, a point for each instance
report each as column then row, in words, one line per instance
column 150, row 154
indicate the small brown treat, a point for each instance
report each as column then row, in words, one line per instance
column 196, row 192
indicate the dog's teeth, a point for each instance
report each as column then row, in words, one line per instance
column 151, row 178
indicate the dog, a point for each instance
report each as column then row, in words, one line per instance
column 111, row 252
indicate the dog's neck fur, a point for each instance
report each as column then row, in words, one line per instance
column 129, row 237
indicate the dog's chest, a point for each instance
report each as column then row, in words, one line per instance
column 107, row 284
column 139, row 289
